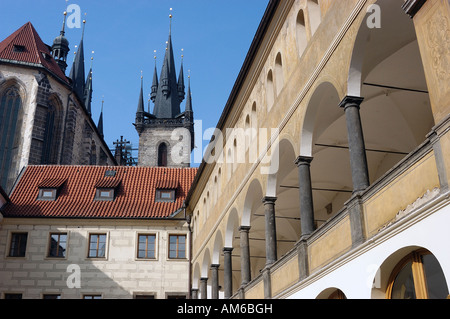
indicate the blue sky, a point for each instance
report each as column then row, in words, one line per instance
column 215, row 37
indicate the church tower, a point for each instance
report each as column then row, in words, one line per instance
column 166, row 136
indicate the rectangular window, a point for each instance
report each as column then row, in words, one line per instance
column 97, row 246
column 146, row 246
column 47, row 194
column 51, row 296
column 18, row 245
column 177, row 246
column 106, row 194
column 92, row 297
column 165, row 195
column 144, row 297
column 58, row 245
column 13, row 296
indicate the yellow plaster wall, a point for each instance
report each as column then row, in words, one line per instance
column 285, row 276
column 432, row 24
column 397, row 195
column 330, row 245
column 256, row 291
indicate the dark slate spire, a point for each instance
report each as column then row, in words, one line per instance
column 167, row 103
column 181, row 86
column 77, row 73
column 154, row 85
column 140, row 108
column 60, row 47
column 100, row 122
column 189, row 98
column 88, row 91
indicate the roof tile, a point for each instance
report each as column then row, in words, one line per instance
column 135, row 195
column 35, row 51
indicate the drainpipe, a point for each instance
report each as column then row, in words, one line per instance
column 188, row 220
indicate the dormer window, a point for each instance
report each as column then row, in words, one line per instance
column 50, row 188
column 166, row 191
column 105, row 188
column 19, row 48
column 106, row 194
column 165, row 195
column 47, row 194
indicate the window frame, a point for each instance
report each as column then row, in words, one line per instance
column 12, row 236
column 155, row 247
column 160, row 199
column 177, row 250
column 42, row 191
column 418, row 272
column 59, row 234
column 100, row 197
column 97, row 246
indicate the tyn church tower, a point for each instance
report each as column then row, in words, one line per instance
column 166, row 136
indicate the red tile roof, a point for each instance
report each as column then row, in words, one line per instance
column 135, row 192
column 34, row 53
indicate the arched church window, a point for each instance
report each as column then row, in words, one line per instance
column 162, row 155
column 418, row 276
column 10, row 119
column 52, row 132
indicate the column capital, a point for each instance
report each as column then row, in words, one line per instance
column 303, row 160
column 244, row 228
column 204, row 279
column 269, row 199
column 227, row 249
column 215, row 266
column 351, row 101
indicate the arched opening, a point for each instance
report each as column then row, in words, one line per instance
column 332, row 293
column 11, row 114
column 279, row 78
column 232, row 242
column 410, row 273
column 386, row 69
column 253, row 216
column 300, row 33
column 270, row 90
column 324, row 137
column 314, row 15
column 162, row 155
column 283, row 184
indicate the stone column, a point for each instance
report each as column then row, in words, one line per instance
column 245, row 255
column 271, row 229
column 215, row 281
column 228, row 272
column 358, row 160
column 203, row 287
column 306, row 198
column 194, row 293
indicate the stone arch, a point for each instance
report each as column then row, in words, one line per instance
column 218, row 246
column 231, row 228
column 253, row 199
column 386, row 70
